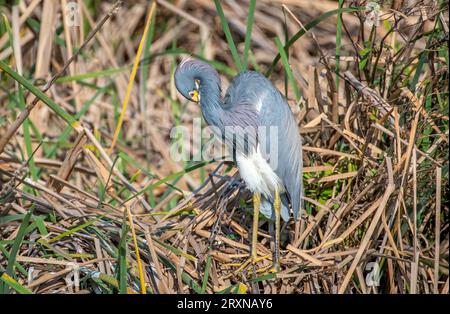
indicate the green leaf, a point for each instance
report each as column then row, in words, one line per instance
column 14, row 284
column 122, row 258
column 363, row 52
column 39, row 94
column 75, row 229
column 287, row 68
column 248, row 34
column 66, row 132
column 6, row 255
column 17, row 244
column 264, row 277
column 184, row 276
column 308, row 26
column 206, row 274
column 228, row 36
column 338, row 43
column 169, row 178
column 362, row 63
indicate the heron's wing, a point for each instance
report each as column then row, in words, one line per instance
column 240, row 126
column 268, row 210
column 242, row 116
column 251, row 95
column 285, row 154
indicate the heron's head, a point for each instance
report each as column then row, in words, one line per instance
column 193, row 77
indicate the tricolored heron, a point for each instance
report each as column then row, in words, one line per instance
column 252, row 101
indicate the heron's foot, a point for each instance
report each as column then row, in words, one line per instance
column 250, row 261
column 276, row 265
column 235, row 183
column 273, row 269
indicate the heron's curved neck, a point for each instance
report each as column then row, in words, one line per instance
column 211, row 100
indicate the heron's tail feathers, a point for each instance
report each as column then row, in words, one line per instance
column 268, row 210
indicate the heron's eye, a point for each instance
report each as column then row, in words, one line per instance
column 191, row 94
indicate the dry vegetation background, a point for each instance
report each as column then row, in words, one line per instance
column 79, row 217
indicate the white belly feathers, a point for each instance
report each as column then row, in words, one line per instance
column 258, row 175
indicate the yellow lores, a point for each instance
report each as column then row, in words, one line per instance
column 194, row 95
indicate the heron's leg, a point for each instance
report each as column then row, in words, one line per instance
column 256, row 208
column 254, row 253
column 277, row 207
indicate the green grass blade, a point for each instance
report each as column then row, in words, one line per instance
column 27, row 136
column 421, row 63
column 184, row 276
column 75, row 229
column 248, row 34
column 17, row 265
column 38, row 93
column 308, row 26
column 66, row 132
column 228, row 36
column 227, row 290
column 169, row 178
column 146, row 54
column 206, row 274
column 264, row 277
column 40, row 225
column 17, row 243
column 122, row 257
column 90, row 75
column 11, row 282
column 175, row 250
column 287, row 68
column 338, row 43
column 20, row 97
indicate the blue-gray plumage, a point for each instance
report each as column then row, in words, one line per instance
column 252, row 102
